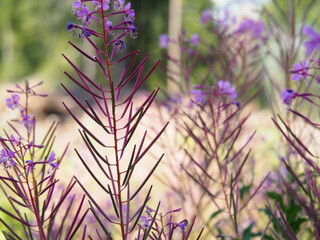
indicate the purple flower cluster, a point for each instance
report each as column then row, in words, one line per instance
column 88, row 15
column 202, row 94
column 21, row 145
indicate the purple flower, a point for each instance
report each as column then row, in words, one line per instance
column 206, row 16
column 70, row 26
column 314, row 40
column 164, row 41
column 105, row 4
column 194, row 39
column 288, row 95
column 76, row 6
column 255, row 28
column 144, row 222
column 13, row 102
column 130, row 12
column 118, row 4
column 85, row 15
column 30, row 166
column 183, row 224
column 27, row 120
column 300, row 71
column 7, row 158
column 226, row 90
column 199, row 96
column 51, row 160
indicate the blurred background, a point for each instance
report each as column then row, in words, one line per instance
column 33, row 34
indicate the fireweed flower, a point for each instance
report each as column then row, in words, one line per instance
column 314, row 40
column 130, row 12
column 118, row 4
column 300, row 71
column 13, row 102
column 226, row 90
column 51, row 160
column 144, row 222
column 85, row 15
column 194, row 39
column 206, row 16
column 183, row 224
column 164, row 41
column 7, row 158
column 199, row 96
column 30, row 166
column 70, row 26
column 288, row 95
column 76, row 5
column 105, row 4
column 255, row 28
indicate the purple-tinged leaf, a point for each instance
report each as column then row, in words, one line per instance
column 79, row 72
column 91, row 173
column 48, row 187
column 11, row 230
column 126, row 56
column 14, row 217
column 84, row 232
column 81, row 86
column 240, row 150
column 140, row 210
column 97, row 119
column 147, row 178
column 316, row 125
column 94, row 152
column 295, row 137
column 308, row 160
column 98, row 220
column 138, row 158
column 94, row 202
column 62, row 198
column 82, row 52
column 255, row 191
column 129, row 166
column 125, row 73
column 79, row 224
column 146, row 235
column 82, row 126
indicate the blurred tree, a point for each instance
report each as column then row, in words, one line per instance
column 29, row 33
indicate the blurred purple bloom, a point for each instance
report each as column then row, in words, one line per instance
column 13, row 102
column 105, row 4
column 194, row 39
column 76, row 6
column 144, row 222
column 206, row 16
column 314, row 40
column 199, row 96
column 118, row 4
column 288, row 95
column 183, row 224
column 26, row 120
column 255, row 28
column 226, row 90
column 300, row 71
column 164, row 41
column 6, row 158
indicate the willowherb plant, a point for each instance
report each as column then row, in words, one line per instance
column 297, row 216
column 106, row 25
column 29, row 177
column 218, row 79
